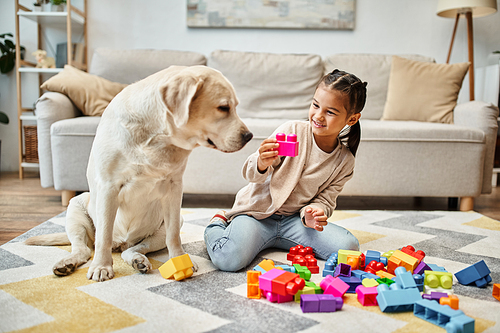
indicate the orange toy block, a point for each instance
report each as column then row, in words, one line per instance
column 178, row 267
column 353, row 261
column 253, row 290
column 383, row 274
column 400, row 258
column 451, row 301
column 496, row 291
column 342, row 255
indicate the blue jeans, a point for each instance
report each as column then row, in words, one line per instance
column 234, row 247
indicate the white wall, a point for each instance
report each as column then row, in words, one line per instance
column 386, row 27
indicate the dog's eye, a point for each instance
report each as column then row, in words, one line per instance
column 224, row 108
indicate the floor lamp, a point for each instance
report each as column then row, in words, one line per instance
column 470, row 9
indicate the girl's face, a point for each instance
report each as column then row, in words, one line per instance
column 328, row 116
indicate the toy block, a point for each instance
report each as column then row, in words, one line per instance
column 265, row 266
column 334, row 286
column 311, row 263
column 306, row 290
column 421, row 268
column 320, row 303
column 395, row 299
column 384, row 274
column 288, row 146
column 443, row 316
column 266, row 279
column 374, row 266
column 419, row 281
column 477, row 274
column 352, row 281
column 410, row 250
column 434, row 296
column 317, row 289
column 178, row 267
column 367, row 296
column 438, row 279
column 404, row 278
column 293, row 252
column 451, row 301
column 287, row 284
column 331, row 262
column 375, row 256
column 387, row 254
column 253, row 290
column 342, row 270
column 436, row 268
column 342, row 255
column 385, row 281
column 353, row 261
column 369, row 283
column 496, row 291
column 428, row 290
column 275, row 298
column 400, row 258
column 303, row 272
column 287, row 268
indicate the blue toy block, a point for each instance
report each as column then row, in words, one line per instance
column 352, row 281
column 395, row 299
column 436, row 268
column 443, row 316
column 375, row 255
column 477, row 274
column 419, row 281
column 287, row 268
column 404, row 278
column 358, row 273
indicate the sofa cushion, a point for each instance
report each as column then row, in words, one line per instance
column 423, row 91
column 79, row 126
column 90, row 93
column 270, row 85
column 372, row 68
column 128, row 66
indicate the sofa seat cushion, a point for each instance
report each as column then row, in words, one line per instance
column 270, row 85
column 79, row 126
column 375, row 130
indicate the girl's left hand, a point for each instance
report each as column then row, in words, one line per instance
column 315, row 218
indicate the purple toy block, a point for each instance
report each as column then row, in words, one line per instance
column 342, row 270
column 434, row 295
column 477, row 274
column 266, row 279
column 320, row 303
column 421, row 268
column 352, row 281
column 288, row 146
column 334, row 286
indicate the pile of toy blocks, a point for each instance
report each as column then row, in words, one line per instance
column 396, row 281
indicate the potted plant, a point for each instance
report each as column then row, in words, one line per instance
column 8, row 58
column 58, row 5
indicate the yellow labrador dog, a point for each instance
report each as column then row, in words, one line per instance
column 136, row 165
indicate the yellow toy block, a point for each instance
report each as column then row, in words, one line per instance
column 342, row 256
column 178, row 267
column 306, row 290
column 369, row 282
column 435, row 279
column 253, row 290
column 399, row 258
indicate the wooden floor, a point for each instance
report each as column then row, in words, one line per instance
column 24, row 204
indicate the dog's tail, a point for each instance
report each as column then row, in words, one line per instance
column 48, row 240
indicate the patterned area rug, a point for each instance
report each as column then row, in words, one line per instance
column 32, row 299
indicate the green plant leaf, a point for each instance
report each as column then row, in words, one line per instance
column 4, row 118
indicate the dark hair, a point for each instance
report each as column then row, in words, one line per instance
column 355, row 91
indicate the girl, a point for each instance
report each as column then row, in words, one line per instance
column 289, row 199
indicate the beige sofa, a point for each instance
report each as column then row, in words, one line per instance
column 395, row 158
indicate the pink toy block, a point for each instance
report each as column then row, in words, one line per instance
column 334, row 286
column 367, row 296
column 288, row 146
column 266, row 279
column 275, row 298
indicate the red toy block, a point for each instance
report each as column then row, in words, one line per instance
column 275, row 298
column 253, row 290
column 299, row 260
column 334, row 286
column 293, row 252
column 496, row 291
column 420, row 255
column 374, row 266
column 287, row 284
column 367, row 296
column 308, row 261
column 266, row 279
column 288, row 146
column 451, row 301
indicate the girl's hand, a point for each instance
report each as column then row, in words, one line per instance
column 315, row 218
column 266, row 154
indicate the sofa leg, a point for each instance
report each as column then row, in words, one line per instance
column 466, row 204
column 66, row 197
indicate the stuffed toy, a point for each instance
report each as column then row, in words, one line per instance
column 42, row 61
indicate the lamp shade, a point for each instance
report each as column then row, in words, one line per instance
column 450, row 8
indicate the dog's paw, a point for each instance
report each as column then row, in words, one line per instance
column 100, row 273
column 64, row 267
column 141, row 263
column 195, row 267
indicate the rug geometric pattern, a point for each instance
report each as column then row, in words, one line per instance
column 32, row 299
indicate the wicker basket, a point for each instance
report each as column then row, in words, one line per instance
column 30, row 144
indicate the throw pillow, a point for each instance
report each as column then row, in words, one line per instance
column 90, row 93
column 423, row 91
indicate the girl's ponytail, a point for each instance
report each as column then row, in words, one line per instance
column 351, row 137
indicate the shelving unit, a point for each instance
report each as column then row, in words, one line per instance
column 72, row 21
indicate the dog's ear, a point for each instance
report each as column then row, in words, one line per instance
column 178, row 93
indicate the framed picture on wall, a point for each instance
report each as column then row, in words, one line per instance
column 272, row 14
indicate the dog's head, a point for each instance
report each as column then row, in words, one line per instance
column 202, row 104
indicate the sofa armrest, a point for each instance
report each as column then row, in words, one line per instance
column 50, row 107
column 482, row 116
